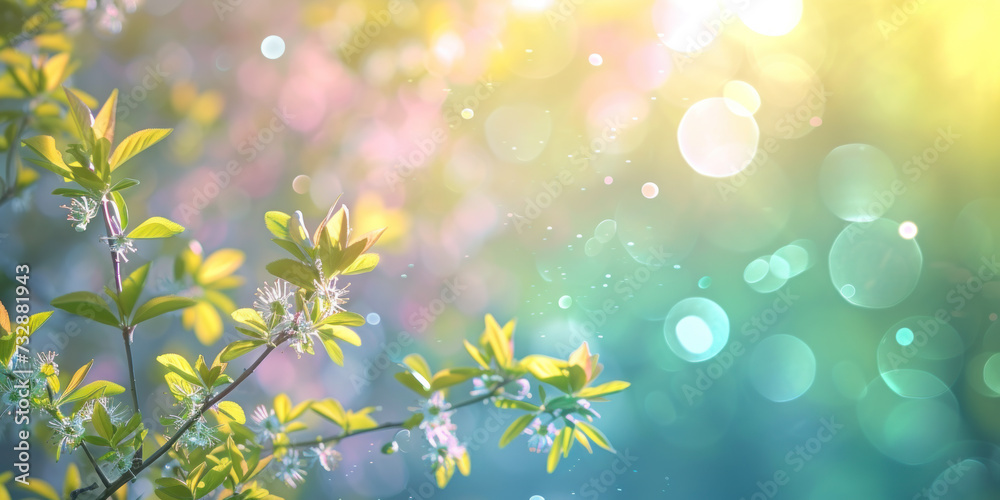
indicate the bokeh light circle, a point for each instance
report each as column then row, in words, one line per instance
column 565, row 302
column 605, row 231
column 650, row 190
column 687, row 26
column 872, row 266
column 696, row 329
column 908, row 230
column 920, row 355
column 272, row 47
column 301, row 184
column 909, row 430
column 741, row 97
column 782, row 368
column 715, row 141
column 770, row 17
column 856, row 182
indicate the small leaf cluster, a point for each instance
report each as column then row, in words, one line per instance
column 554, row 423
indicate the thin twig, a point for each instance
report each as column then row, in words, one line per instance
column 390, row 425
column 93, row 461
column 113, row 227
column 79, row 491
column 162, row 450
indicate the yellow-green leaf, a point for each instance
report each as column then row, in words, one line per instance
column 104, row 122
column 161, row 305
column 177, row 364
column 156, row 227
column 362, row 264
column 239, row 348
column 603, row 389
column 136, row 143
column 418, row 364
column 515, row 429
column 233, row 411
column 220, row 264
column 595, row 435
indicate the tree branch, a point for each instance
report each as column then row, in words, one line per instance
column 93, row 461
column 162, row 450
column 391, row 425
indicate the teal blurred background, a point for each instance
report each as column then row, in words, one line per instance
column 587, row 166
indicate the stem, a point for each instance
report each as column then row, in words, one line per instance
column 113, row 227
column 162, row 450
column 93, row 461
column 392, row 425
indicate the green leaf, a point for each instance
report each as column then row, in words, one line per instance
column 595, row 435
column 132, row 287
column 452, row 376
column 172, row 488
column 104, row 122
column 40, row 488
column 100, row 159
column 45, row 147
column 340, row 332
column 92, row 390
column 119, row 203
column 137, row 143
column 360, row 420
column 156, row 227
column 515, row 403
column 332, row 410
column 239, row 348
column 37, row 320
column 70, row 193
column 515, row 429
column 161, row 305
column 134, row 422
column 124, row 184
column 54, row 71
column 345, row 318
column 177, row 364
column 294, row 272
column 277, row 223
column 362, row 264
column 557, row 449
column 291, row 248
column 87, row 304
column 220, row 264
column 78, row 377
column 476, row 354
column 251, row 318
column 418, row 364
column 603, row 389
column 102, row 422
column 82, row 117
column 233, row 411
column 334, row 350
column 497, row 342
column 412, row 383
column 413, row 420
